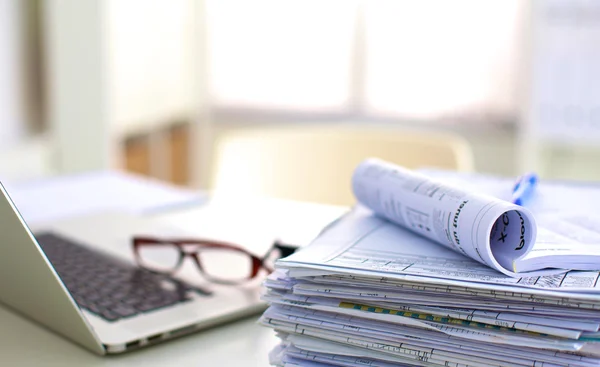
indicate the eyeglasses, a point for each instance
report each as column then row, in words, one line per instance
column 219, row 262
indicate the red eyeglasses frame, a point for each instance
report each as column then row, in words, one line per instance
column 257, row 263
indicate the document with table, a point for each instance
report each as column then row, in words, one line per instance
column 430, row 271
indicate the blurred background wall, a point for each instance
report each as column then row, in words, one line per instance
column 147, row 85
column 24, row 153
column 10, row 73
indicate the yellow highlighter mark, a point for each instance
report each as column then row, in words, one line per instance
column 434, row 318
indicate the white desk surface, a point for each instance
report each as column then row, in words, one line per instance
column 23, row 343
column 240, row 343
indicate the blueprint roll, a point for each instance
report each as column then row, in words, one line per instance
column 492, row 231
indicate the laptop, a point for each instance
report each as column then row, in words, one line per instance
column 78, row 278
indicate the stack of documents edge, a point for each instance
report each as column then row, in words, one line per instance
column 370, row 292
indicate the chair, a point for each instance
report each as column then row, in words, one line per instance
column 315, row 163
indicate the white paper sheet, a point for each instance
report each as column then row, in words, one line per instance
column 306, row 348
column 499, row 310
column 95, row 192
column 428, row 338
column 404, row 343
column 341, row 355
column 533, row 323
column 472, row 333
column 362, row 244
column 442, row 298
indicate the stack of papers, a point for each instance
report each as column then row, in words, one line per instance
column 414, row 276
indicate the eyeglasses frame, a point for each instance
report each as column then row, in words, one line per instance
column 257, row 263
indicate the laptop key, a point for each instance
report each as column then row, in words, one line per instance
column 131, row 301
column 124, row 310
column 93, row 296
column 94, row 309
column 109, row 315
column 105, row 302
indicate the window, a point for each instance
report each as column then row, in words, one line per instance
column 425, row 59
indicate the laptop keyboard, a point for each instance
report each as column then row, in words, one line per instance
column 108, row 287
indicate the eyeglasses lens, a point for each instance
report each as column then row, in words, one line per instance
column 226, row 265
column 161, row 257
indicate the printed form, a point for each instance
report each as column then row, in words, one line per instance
column 362, row 241
column 568, row 233
column 461, row 236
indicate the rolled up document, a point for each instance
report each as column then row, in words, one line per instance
column 489, row 230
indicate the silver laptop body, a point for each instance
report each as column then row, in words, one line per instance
column 31, row 286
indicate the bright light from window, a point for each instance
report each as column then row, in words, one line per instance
column 150, row 48
column 274, row 54
column 433, row 57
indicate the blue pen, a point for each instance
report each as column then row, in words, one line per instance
column 524, row 188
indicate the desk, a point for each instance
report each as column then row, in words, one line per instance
column 23, row 343
column 240, row 343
